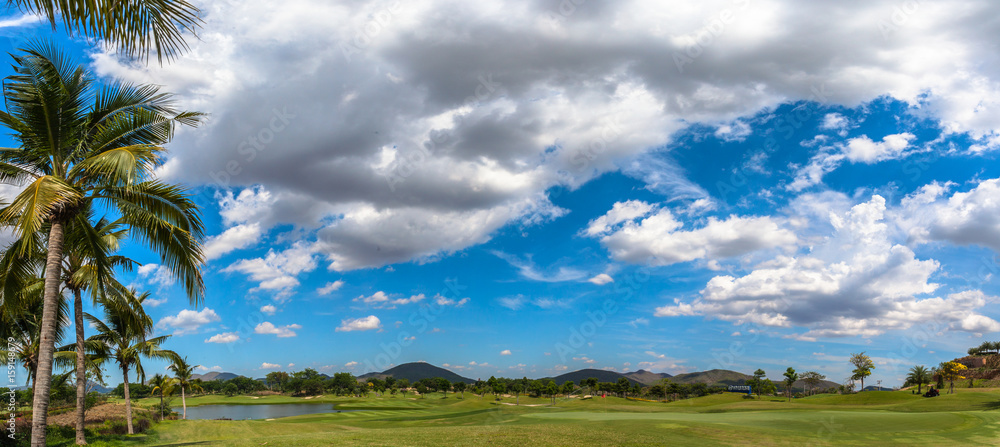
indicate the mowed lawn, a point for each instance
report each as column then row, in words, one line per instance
column 971, row 417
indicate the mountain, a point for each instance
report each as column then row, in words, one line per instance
column 416, row 371
column 646, row 377
column 214, row 375
column 94, row 386
column 583, row 374
column 712, row 377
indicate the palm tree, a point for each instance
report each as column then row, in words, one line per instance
column 79, row 146
column 163, row 384
column 21, row 321
column 124, row 338
column 135, row 26
column 919, row 375
column 182, row 374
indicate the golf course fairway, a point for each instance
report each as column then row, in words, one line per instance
column 970, row 417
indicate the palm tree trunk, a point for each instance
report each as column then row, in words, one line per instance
column 128, row 402
column 184, row 402
column 47, row 343
column 81, row 372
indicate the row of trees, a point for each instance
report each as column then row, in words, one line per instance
column 947, row 371
column 85, row 149
column 986, row 348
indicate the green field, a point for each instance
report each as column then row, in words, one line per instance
column 970, row 417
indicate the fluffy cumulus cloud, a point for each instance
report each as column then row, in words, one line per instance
column 601, row 279
column 285, row 331
column 368, row 323
column 638, row 232
column 278, row 271
column 856, row 150
column 224, row 338
column 187, row 321
column 963, row 218
column 855, row 283
column 390, row 131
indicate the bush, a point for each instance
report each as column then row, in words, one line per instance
column 119, row 427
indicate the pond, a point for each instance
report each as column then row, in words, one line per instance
column 260, row 411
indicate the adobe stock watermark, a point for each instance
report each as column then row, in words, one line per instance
column 901, row 13
column 252, row 146
column 625, row 288
column 564, row 10
column 11, row 398
column 409, row 163
column 783, row 127
column 705, row 37
column 419, row 322
column 367, row 33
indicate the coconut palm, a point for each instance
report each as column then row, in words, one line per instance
column 21, row 321
column 81, row 146
column 919, row 375
column 165, row 385
column 123, row 338
column 136, row 27
column 87, row 266
column 182, row 374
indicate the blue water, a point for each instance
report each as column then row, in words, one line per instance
column 261, row 411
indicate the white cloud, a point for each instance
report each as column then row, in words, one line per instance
column 235, row 238
column 368, row 323
column 512, row 302
column 637, row 232
column 601, row 279
column 155, row 275
column 268, row 309
column 205, row 369
column 964, row 218
column 381, row 300
column 527, row 269
column 187, row 321
column 281, row 331
column 278, row 271
column 330, row 287
column 225, row 337
column 736, row 131
column 349, row 124
column 856, row 283
column 350, row 365
column 443, row 301
column 639, row 322
column 505, row 352
column 266, row 365
column 857, row 150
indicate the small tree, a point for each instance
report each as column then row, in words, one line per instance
column 403, row 384
column 918, row 375
column 552, row 389
column 952, row 371
column 812, row 378
column 460, row 387
column 863, row 367
column 443, row 385
column 422, row 389
column 568, row 387
column 757, row 381
column 790, row 377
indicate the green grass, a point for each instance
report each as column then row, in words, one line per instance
column 967, row 418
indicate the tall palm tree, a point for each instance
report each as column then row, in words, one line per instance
column 136, row 27
column 80, row 145
column 88, row 265
column 919, row 375
column 123, row 337
column 182, row 374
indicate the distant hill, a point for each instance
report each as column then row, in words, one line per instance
column 583, row 374
column 214, row 375
column 712, row 377
column 416, row 371
column 94, row 386
column 646, row 377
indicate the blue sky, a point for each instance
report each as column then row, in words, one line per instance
column 518, row 194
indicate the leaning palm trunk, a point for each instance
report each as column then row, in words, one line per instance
column 47, row 344
column 81, row 371
column 184, row 403
column 128, row 403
